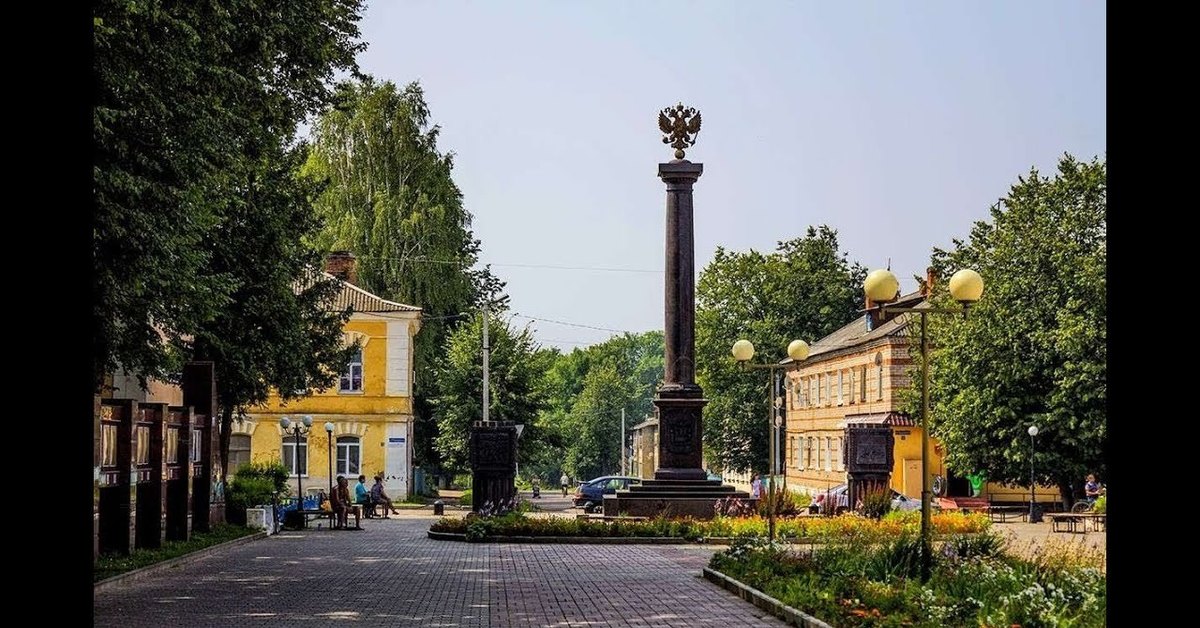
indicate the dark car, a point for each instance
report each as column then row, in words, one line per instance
column 841, row 497
column 590, row 494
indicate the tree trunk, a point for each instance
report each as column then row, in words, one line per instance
column 1064, row 489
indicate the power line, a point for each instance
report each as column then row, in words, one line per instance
column 548, row 320
column 549, row 266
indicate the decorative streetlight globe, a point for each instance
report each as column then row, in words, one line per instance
column 285, row 423
column 329, row 426
column 743, row 350
column 966, row 286
column 798, row 350
column 881, row 286
column 307, row 421
column 1033, row 430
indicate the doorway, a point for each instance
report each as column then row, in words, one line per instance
column 912, row 477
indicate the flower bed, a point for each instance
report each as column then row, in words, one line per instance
column 797, row 528
column 975, row 582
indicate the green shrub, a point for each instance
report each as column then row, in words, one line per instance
column 786, row 503
column 257, row 484
column 876, row 502
column 1101, row 504
column 462, row 480
column 466, row 497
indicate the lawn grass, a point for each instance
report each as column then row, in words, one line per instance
column 111, row 565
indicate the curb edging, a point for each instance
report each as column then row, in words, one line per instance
column 788, row 614
column 141, row 572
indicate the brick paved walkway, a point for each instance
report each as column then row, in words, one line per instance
column 393, row 575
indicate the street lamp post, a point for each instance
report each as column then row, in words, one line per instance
column 743, row 351
column 966, row 286
column 298, row 429
column 329, row 439
column 1033, row 431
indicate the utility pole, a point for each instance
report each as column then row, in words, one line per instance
column 623, row 456
column 486, row 350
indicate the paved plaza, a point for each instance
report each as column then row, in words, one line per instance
column 392, row 574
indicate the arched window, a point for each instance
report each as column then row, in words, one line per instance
column 879, row 368
column 239, row 452
column 349, row 456
column 289, row 455
column 352, row 377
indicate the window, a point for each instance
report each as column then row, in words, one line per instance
column 352, row 377
column 841, row 453
column 862, row 383
column 817, row 443
column 829, row 453
column 197, row 445
column 141, row 445
column 879, row 367
column 349, row 456
column 852, row 387
column 829, row 393
column 289, row 455
column 791, row 447
column 839, row 385
column 239, row 452
column 108, row 445
column 172, row 445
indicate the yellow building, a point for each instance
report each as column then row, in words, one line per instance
column 855, row 375
column 370, row 407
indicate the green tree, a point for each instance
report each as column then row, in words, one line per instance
column 515, row 373
column 594, row 428
column 1034, row 349
column 392, row 201
column 637, row 360
column 280, row 329
column 804, row 290
column 184, row 92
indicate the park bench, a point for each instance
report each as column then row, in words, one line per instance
column 1077, row 522
column 1000, row 513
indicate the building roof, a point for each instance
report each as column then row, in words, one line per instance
column 893, row 418
column 362, row 301
column 646, row 423
column 855, row 332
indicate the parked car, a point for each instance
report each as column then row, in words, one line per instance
column 840, row 496
column 590, row 494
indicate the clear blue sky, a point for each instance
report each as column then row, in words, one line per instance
column 896, row 123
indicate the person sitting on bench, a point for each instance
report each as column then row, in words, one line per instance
column 339, row 501
column 380, row 498
column 362, row 497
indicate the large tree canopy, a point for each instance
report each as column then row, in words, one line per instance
column 804, row 290
column 1033, row 350
column 391, row 200
column 586, row 391
column 516, row 367
column 185, row 92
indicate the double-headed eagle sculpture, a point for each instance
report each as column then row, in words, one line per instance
column 679, row 125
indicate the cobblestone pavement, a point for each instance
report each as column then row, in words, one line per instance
column 392, row 574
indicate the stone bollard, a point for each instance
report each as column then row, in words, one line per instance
column 439, row 508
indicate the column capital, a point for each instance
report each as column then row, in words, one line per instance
column 679, row 170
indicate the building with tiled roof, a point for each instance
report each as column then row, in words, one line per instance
column 854, row 376
column 370, row 406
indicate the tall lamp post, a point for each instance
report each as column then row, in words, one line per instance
column 1033, row 431
column 298, row 429
column 966, row 286
column 329, row 439
column 743, row 351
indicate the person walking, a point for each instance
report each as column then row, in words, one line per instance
column 565, row 481
column 755, row 486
